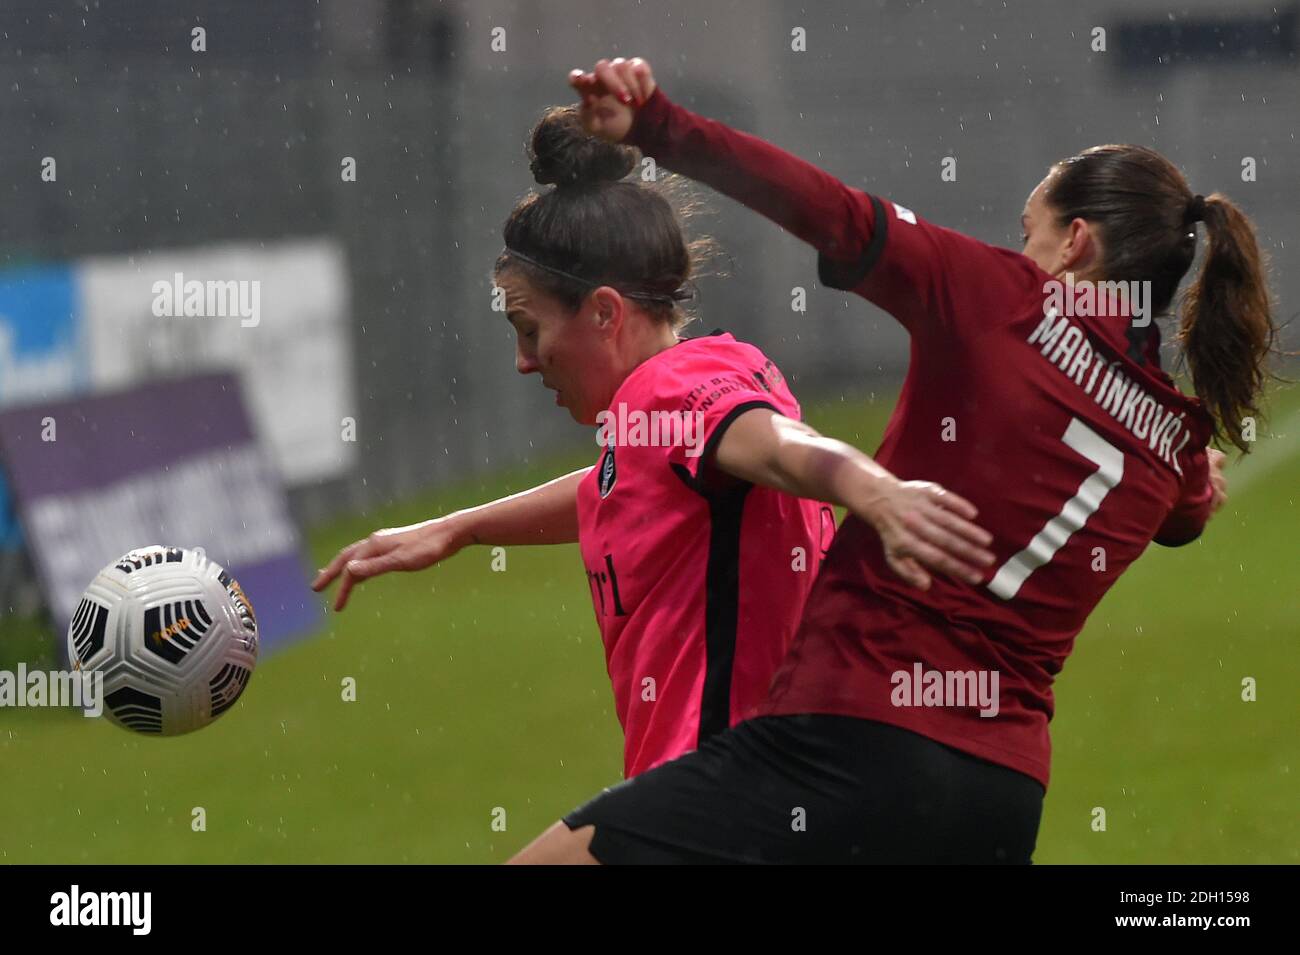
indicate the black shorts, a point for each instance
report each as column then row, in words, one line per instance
column 817, row 789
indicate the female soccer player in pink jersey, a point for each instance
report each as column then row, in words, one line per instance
column 908, row 725
column 700, row 526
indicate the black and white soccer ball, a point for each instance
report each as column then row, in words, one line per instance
column 174, row 636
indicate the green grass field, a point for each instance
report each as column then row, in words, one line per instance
column 480, row 690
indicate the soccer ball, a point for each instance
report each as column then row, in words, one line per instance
column 174, row 636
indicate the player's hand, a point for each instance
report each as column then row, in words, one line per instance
column 924, row 528
column 1218, row 483
column 395, row 548
column 611, row 93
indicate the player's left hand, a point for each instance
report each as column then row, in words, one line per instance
column 924, row 527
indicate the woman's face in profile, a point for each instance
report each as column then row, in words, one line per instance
column 570, row 350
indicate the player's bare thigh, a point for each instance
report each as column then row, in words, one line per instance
column 558, row 845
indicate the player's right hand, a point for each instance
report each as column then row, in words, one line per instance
column 1218, row 483
column 611, row 93
column 395, row 548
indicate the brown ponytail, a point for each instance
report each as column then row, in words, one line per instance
column 1227, row 326
column 1146, row 216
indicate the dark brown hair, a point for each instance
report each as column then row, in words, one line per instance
column 1146, row 216
column 597, row 226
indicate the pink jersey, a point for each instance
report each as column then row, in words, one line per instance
column 698, row 579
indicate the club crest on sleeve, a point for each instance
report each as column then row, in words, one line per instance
column 607, row 473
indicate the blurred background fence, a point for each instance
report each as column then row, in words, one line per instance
column 163, row 149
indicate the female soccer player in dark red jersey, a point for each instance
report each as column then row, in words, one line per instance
column 698, row 569
column 912, row 726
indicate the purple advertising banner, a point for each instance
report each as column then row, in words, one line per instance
column 173, row 463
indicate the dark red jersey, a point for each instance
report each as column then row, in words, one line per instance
column 698, row 579
column 1047, row 412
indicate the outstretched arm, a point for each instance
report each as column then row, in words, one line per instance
column 916, row 271
column 547, row 514
column 621, row 102
column 920, row 524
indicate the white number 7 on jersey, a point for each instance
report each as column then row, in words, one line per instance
column 1006, row 583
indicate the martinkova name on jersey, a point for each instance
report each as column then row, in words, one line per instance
column 1067, row 347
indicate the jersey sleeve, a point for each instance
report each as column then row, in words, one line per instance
column 708, row 393
column 798, row 196
column 932, row 279
column 1189, row 515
